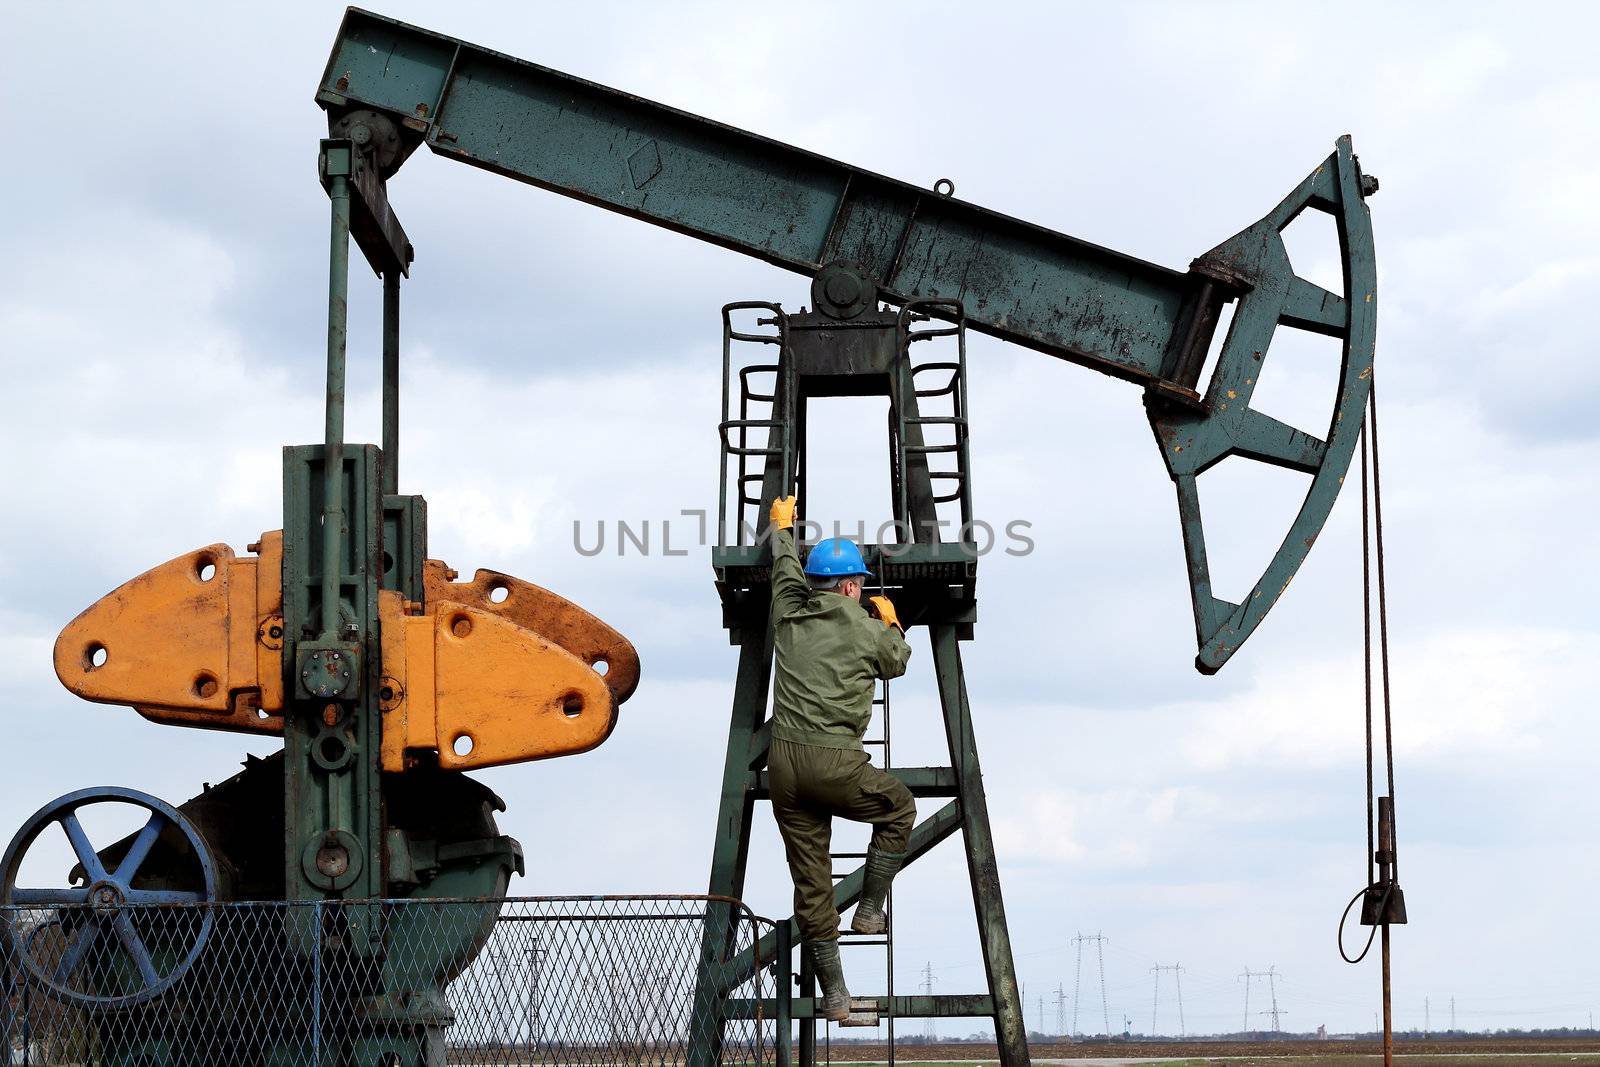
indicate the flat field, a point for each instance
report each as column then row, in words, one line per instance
column 1477, row 1052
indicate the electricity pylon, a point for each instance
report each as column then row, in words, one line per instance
column 1155, row 998
column 1099, row 940
column 1271, row 975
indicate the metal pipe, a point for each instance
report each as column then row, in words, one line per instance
column 1388, row 1019
column 333, row 454
column 1386, row 877
column 391, row 381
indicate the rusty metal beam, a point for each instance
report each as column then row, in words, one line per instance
column 796, row 209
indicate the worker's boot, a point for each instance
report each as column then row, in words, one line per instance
column 835, row 1005
column 881, row 868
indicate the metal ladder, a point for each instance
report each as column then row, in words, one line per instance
column 932, row 577
column 864, row 1011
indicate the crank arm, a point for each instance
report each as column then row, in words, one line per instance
column 551, row 616
column 198, row 642
column 470, row 685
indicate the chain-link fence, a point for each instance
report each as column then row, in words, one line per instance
column 573, row 980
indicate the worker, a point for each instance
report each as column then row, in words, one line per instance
column 830, row 652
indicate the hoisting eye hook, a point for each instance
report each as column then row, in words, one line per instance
column 945, row 187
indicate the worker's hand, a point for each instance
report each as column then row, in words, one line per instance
column 782, row 514
column 881, row 607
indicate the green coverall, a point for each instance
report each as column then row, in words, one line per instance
column 829, row 653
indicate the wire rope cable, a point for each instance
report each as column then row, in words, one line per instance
column 1372, row 551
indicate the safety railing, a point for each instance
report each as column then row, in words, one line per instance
column 757, row 427
column 532, row 980
column 930, row 408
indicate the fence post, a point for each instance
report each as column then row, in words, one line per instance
column 6, row 995
column 316, row 983
column 783, row 989
column 808, row 1026
column 27, row 1023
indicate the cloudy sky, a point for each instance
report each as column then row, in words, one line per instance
column 162, row 298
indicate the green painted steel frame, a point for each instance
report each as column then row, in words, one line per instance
column 327, row 799
column 744, row 591
column 347, row 534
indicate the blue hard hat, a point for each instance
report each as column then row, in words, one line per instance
column 836, row 557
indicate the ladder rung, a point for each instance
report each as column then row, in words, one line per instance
column 871, row 940
column 937, row 420
column 929, row 449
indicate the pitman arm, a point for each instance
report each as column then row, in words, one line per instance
column 1082, row 303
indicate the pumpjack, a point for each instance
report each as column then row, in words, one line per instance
column 388, row 677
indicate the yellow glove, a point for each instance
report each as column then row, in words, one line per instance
column 782, row 514
column 883, row 608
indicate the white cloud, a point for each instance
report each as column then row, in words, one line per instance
column 1487, row 694
column 1541, row 288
